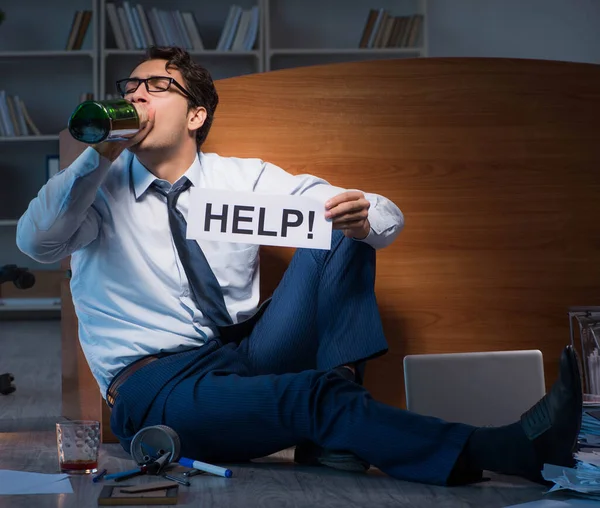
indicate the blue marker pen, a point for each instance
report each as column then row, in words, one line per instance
column 203, row 466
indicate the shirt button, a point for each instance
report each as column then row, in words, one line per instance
column 186, row 293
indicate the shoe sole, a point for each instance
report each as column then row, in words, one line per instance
column 350, row 466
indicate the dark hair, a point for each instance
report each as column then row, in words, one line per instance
column 197, row 81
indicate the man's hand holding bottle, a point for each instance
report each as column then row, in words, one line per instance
column 112, row 149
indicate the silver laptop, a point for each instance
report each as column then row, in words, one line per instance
column 487, row 388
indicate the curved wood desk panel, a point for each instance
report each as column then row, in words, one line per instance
column 494, row 163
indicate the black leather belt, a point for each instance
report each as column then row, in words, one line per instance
column 124, row 374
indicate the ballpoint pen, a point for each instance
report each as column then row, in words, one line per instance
column 99, row 476
column 193, row 472
column 153, row 467
column 132, row 474
column 175, row 479
column 125, row 475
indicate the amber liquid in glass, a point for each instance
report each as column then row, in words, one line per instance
column 79, row 466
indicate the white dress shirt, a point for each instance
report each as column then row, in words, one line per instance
column 129, row 289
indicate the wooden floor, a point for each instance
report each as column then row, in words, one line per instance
column 31, row 351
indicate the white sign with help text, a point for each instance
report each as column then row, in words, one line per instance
column 247, row 217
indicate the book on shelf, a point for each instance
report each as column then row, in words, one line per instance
column 240, row 30
column 382, row 30
column 135, row 27
column 14, row 117
column 79, row 28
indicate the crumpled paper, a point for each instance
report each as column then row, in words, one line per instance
column 582, row 480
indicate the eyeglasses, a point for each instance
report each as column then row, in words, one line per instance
column 153, row 84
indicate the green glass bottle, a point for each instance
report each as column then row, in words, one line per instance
column 107, row 120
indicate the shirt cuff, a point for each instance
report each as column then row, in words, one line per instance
column 366, row 238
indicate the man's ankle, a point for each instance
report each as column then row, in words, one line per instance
column 505, row 450
column 464, row 472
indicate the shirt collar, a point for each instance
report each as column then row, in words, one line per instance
column 141, row 178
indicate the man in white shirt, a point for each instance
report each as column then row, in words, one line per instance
column 171, row 327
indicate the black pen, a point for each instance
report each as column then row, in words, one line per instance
column 175, row 479
column 193, row 472
column 99, row 476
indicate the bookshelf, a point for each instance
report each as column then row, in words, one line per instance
column 158, row 22
column 315, row 32
column 43, row 64
column 51, row 80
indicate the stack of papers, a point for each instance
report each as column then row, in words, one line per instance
column 583, row 480
column 590, row 425
column 21, row 482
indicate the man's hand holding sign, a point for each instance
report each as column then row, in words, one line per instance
column 349, row 212
column 264, row 219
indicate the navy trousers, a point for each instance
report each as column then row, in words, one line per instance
column 277, row 389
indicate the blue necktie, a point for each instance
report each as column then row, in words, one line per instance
column 204, row 286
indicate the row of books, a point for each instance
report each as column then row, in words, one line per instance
column 134, row 27
column 14, row 117
column 79, row 27
column 382, row 30
column 240, row 30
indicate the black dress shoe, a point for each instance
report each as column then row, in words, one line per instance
column 310, row 454
column 553, row 424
